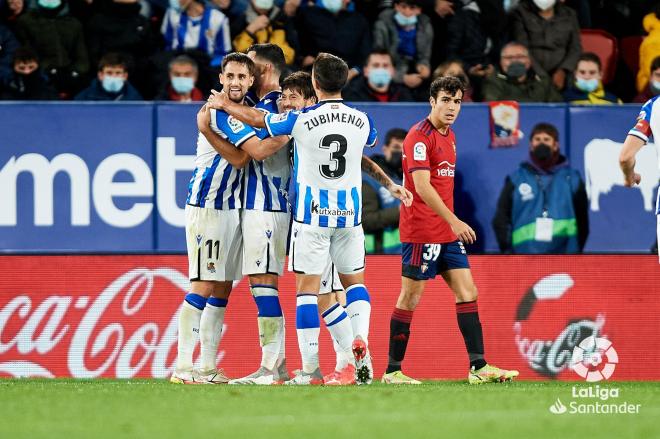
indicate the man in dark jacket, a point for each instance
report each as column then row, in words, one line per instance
column 543, row 207
column 26, row 80
column 330, row 27
column 119, row 27
column 408, row 35
column 376, row 84
column 551, row 32
column 111, row 83
column 8, row 45
column 380, row 211
column 516, row 80
column 59, row 41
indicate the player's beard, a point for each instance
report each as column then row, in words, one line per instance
column 233, row 98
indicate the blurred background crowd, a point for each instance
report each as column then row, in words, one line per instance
column 579, row 51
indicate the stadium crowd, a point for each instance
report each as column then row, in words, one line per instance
column 527, row 50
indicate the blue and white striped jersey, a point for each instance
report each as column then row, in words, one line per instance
column 215, row 184
column 327, row 163
column 208, row 33
column 267, row 181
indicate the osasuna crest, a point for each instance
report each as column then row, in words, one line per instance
column 235, row 125
column 424, row 267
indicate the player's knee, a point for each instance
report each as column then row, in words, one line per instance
column 468, row 294
column 409, row 300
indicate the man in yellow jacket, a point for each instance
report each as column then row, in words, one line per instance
column 266, row 23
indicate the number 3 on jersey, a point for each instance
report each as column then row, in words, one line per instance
column 337, row 145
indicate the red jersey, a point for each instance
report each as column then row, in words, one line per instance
column 426, row 149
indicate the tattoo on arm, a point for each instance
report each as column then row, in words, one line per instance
column 375, row 172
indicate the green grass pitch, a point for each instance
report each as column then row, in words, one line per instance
column 156, row 409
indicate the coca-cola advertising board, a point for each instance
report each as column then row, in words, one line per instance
column 116, row 316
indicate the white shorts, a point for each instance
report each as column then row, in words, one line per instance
column 264, row 241
column 330, row 281
column 311, row 245
column 215, row 245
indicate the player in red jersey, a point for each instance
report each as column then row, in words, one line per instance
column 432, row 236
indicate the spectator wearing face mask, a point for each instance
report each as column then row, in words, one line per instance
column 26, row 80
column 58, row 39
column 517, row 80
column 111, row 83
column 653, row 87
column 183, row 73
column 587, row 87
column 264, row 22
column 329, row 26
column 192, row 25
column 408, row 35
column 376, row 84
column 551, row 32
column 380, row 211
column 543, row 207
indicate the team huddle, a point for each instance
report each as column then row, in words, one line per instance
column 281, row 168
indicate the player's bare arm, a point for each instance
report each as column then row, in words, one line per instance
column 237, row 158
column 422, row 181
column 375, row 172
column 631, row 146
column 247, row 115
column 262, row 149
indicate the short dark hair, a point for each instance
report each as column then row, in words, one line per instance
column 449, row 84
column 239, row 58
column 330, row 72
column 113, row 59
column 271, row 53
column 546, row 128
column 301, row 82
column 378, row 52
column 25, row 54
column 182, row 59
column 395, row 133
column 591, row 57
column 655, row 64
column 409, row 2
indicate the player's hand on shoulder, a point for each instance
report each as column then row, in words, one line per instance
column 217, row 100
column 402, row 194
column 632, row 180
column 463, row 232
column 204, row 118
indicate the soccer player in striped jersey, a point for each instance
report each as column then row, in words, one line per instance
column 432, row 236
column 265, row 223
column 213, row 229
column 647, row 126
column 329, row 139
column 297, row 94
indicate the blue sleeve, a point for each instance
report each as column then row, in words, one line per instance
column 373, row 134
column 281, row 124
column 236, row 131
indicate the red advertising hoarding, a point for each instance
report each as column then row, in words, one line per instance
column 116, row 316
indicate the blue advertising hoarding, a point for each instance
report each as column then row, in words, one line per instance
column 119, row 173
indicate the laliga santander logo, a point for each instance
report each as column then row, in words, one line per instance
column 594, row 359
column 550, row 357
